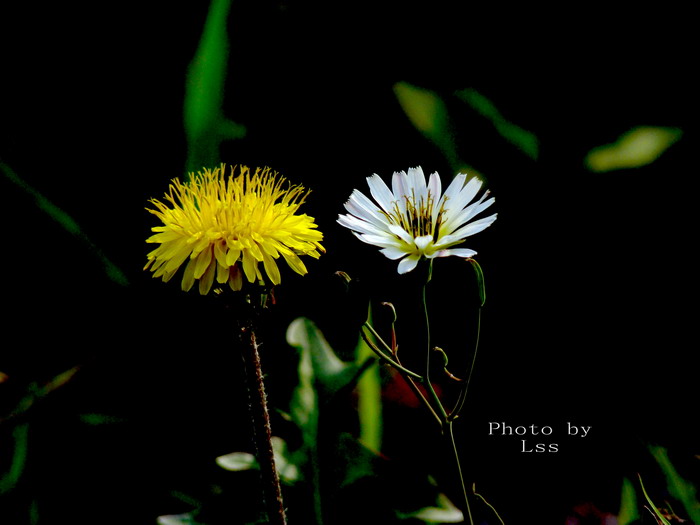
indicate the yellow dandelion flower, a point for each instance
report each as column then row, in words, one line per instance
column 223, row 227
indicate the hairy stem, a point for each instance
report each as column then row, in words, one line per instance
column 262, row 433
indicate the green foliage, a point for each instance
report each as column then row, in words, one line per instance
column 636, row 147
column 524, row 140
column 330, row 471
column 679, row 488
column 654, row 508
column 205, row 124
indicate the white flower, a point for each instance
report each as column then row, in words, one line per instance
column 414, row 219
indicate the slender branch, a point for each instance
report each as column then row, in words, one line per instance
column 262, row 433
column 487, row 504
column 409, row 377
column 459, row 469
column 463, row 392
column 383, row 355
column 427, row 382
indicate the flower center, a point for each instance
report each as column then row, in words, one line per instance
column 417, row 216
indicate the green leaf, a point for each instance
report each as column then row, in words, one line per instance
column 177, row 519
column 479, row 280
column 237, row 461
column 408, row 494
column 326, row 368
column 205, row 124
column 369, row 398
column 679, row 488
column 637, row 147
column 628, row 504
column 242, row 461
column 444, row 511
column 428, row 113
column 19, row 459
column 658, row 513
column 524, row 140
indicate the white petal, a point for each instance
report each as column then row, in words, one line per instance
column 394, row 253
column 400, row 232
column 360, row 206
column 381, row 193
column 383, row 241
column 353, row 223
column 454, row 188
column 476, row 226
column 467, row 213
column 446, row 241
column 423, row 242
column 434, row 190
column 399, row 185
column 408, row 264
column 467, row 194
column 416, row 182
column 465, row 253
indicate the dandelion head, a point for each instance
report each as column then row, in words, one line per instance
column 229, row 228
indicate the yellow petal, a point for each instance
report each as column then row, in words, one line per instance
column 232, row 256
column 235, row 280
column 203, row 261
column 271, row 268
column 222, row 273
column 188, row 276
column 295, row 263
column 207, row 279
column 249, row 266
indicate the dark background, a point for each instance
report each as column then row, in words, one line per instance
column 591, row 294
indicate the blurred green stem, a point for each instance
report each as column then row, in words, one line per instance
column 369, row 401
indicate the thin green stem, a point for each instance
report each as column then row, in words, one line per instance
column 383, row 355
column 459, row 470
column 409, row 377
column 487, row 504
column 427, row 382
column 463, row 392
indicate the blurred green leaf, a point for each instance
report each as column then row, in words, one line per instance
column 628, row 504
column 100, row 419
column 205, row 124
column 67, row 222
column 369, row 398
column 406, row 492
column 237, row 461
column 326, row 368
column 657, row 512
column 241, row 461
column 178, row 519
column 428, row 113
column 637, row 147
column 444, row 511
column 9, row 479
column 679, row 488
column 524, row 140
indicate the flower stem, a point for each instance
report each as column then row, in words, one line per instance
column 428, row 384
column 262, row 433
column 445, row 420
column 459, row 470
